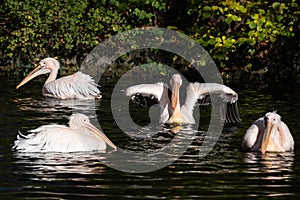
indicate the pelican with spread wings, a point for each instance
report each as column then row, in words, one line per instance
column 77, row 85
column 171, row 112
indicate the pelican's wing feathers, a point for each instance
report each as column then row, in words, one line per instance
column 206, row 91
column 252, row 139
column 288, row 140
column 146, row 94
column 50, row 138
column 77, row 85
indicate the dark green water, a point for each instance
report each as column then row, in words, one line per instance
column 226, row 172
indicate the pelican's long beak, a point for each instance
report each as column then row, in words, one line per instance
column 266, row 136
column 34, row 73
column 175, row 95
column 98, row 133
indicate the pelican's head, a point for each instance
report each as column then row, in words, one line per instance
column 175, row 83
column 271, row 122
column 77, row 120
column 46, row 66
column 176, row 80
column 82, row 122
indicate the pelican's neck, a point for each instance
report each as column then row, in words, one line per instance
column 164, row 106
column 52, row 76
column 176, row 116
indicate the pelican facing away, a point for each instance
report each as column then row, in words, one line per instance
column 80, row 135
column 268, row 134
column 171, row 112
column 77, row 85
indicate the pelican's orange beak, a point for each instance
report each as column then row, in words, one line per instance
column 34, row 73
column 98, row 133
column 175, row 95
column 266, row 136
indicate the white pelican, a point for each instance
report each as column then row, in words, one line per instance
column 80, row 135
column 171, row 112
column 268, row 134
column 77, row 85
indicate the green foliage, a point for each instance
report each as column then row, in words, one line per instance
column 31, row 29
column 237, row 31
column 238, row 34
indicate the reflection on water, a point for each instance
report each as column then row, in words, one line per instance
column 274, row 170
column 51, row 104
column 226, row 172
column 42, row 165
column 269, row 163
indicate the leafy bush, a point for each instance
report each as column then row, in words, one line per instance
column 235, row 32
column 238, row 34
column 32, row 29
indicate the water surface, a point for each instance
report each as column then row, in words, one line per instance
column 226, row 172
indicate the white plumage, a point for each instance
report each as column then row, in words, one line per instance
column 268, row 134
column 171, row 111
column 151, row 89
column 80, row 135
column 77, row 85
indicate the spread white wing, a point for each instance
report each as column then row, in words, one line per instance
column 222, row 95
column 149, row 94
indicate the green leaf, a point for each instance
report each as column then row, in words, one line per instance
column 252, row 25
column 251, row 41
column 276, row 5
column 251, row 51
column 279, row 17
column 241, row 40
column 211, row 41
column 223, row 64
column 255, row 16
column 268, row 24
column 261, row 36
column 259, row 23
column 242, row 9
column 206, row 14
column 215, row 8
column 207, row 8
column 218, row 39
column 236, row 18
column 219, row 56
column 228, row 20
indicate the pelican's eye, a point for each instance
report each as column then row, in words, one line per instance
column 42, row 64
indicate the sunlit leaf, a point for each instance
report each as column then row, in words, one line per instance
column 252, row 25
column 276, row 5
